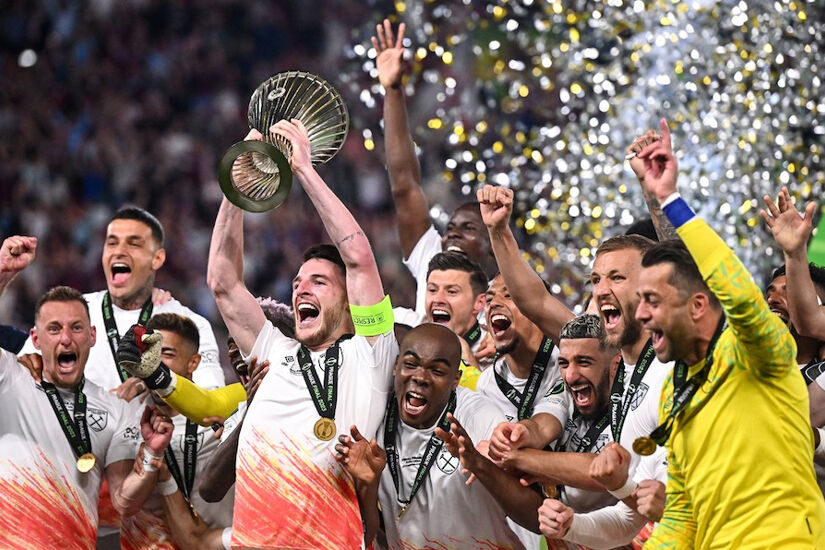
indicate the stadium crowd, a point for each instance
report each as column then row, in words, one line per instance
column 488, row 415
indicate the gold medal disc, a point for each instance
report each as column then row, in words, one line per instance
column 644, row 446
column 550, row 491
column 85, row 463
column 325, row 429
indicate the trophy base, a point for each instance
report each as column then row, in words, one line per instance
column 255, row 176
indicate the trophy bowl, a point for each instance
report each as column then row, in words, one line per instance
column 255, row 175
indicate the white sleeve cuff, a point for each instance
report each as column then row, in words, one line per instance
column 625, row 490
column 672, row 197
column 820, row 449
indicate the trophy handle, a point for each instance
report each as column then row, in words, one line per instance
column 246, row 192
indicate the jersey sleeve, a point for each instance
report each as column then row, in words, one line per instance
column 760, row 336
column 196, row 403
column 9, row 368
column 383, row 352
column 427, row 246
column 606, row 527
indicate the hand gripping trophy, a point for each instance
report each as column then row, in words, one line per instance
column 255, row 175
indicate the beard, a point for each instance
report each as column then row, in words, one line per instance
column 331, row 321
column 602, row 392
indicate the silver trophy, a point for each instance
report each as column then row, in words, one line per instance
column 255, row 175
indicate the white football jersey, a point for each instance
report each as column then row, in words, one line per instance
column 48, row 503
column 289, row 490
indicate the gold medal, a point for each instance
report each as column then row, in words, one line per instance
column 550, row 491
column 325, row 429
column 644, row 446
column 85, row 463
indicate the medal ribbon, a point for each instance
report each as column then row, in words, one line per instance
column 430, row 453
column 113, row 336
column 590, row 437
column 190, row 460
column 687, row 389
column 524, row 401
column 474, row 335
column 324, row 398
column 76, row 430
column 618, row 416
column 812, row 370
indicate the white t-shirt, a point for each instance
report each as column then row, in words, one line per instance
column 231, row 423
column 445, row 512
column 148, row 528
column 419, row 262
column 488, row 387
column 101, row 368
column 289, row 489
column 47, row 502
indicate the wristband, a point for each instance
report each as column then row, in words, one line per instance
column 163, row 393
column 625, row 490
column 147, row 461
column 372, row 320
column 168, row 487
column 820, row 449
column 159, row 379
column 677, row 211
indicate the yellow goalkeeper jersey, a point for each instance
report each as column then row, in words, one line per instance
column 740, row 471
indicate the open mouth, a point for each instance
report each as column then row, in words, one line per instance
column 657, row 337
column 414, row 403
column 611, row 316
column 582, row 395
column 499, row 323
column 120, row 272
column 441, row 316
column 454, row 248
column 67, row 361
column 307, row 313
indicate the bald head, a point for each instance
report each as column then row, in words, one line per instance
column 442, row 341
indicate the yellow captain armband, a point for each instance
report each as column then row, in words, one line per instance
column 373, row 320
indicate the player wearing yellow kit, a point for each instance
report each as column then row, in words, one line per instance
column 737, row 432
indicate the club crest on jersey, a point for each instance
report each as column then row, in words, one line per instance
column 182, row 441
column 639, row 396
column 446, row 462
column 97, row 419
column 558, row 388
column 290, row 363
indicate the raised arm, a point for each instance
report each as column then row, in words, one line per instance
column 760, row 334
column 791, row 230
column 224, row 275
column 411, row 205
column 572, row 469
column 525, row 286
column 131, row 484
column 664, row 229
column 363, row 282
column 16, row 253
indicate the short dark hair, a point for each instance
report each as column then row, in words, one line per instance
column 623, row 242
column 180, row 325
column 444, row 261
column 586, row 325
column 60, row 294
column 325, row 252
column 817, row 275
column 685, row 275
column 141, row 215
column 645, row 228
